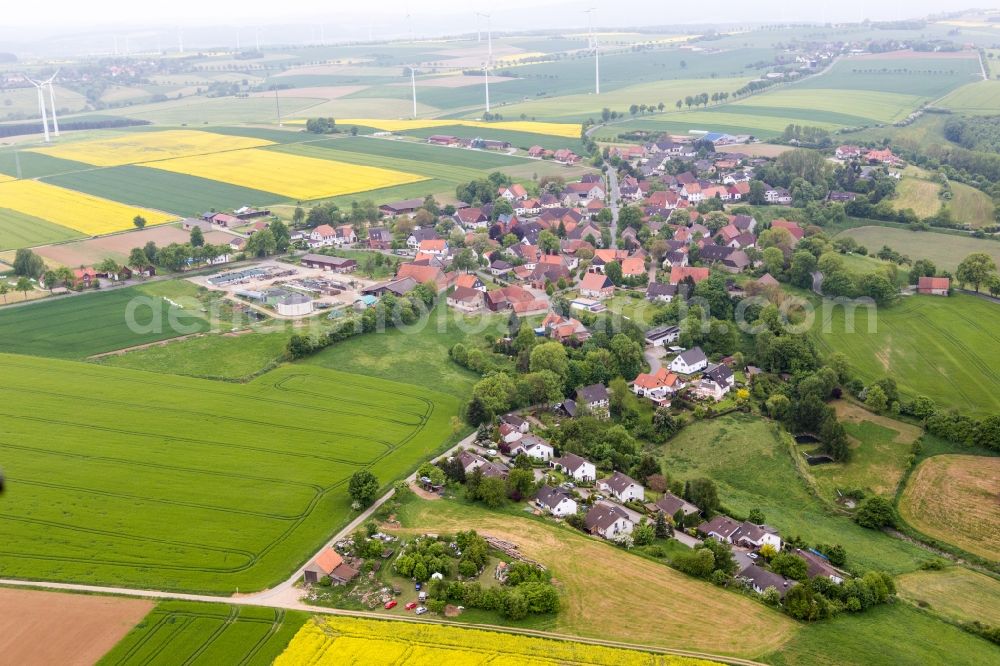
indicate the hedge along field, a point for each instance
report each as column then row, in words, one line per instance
column 177, row 632
column 178, row 483
column 18, row 230
column 80, row 326
column 941, row 347
column 293, row 176
column 348, row 640
column 163, row 190
column 85, row 213
column 148, row 146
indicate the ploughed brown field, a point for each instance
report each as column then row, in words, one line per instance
column 46, row 628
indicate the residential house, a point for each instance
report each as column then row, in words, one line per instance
column 471, row 218
column 379, row 238
column 744, row 533
column 565, row 156
column 595, row 397
column 556, row 501
column 692, row 192
column 536, row 151
column 512, row 193
column 84, row 277
column 505, row 298
column 745, row 223
column 670, row 504
column 596, row 285
column 661, row 336
column 322, row 236
column 937, row 286
column 623, row 487
column 818, row 566
column 882, row 157
column 847, row 152
column 396, row 287
column 405, row 207
column 531, row 446
column 470, row 462
column 608, row 521
column 564, row 329
column 793, row 228
column 604, row 257
column 500, row 268
column 778, row 195
column 470, row 280
column 423, row 274
column 466, row 299
column 657, row 386
column 657, row 291
column 689, row 362
column 759, row 579
column 579, row 468
column 527, row 207
column 715, row 383
column 437, row 247
column 509, row 434
column 696, row 273
column 633, row 267
column 420, row 234
column 840, row 196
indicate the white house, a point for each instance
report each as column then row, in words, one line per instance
column 509, row 434
column 322, row 236
column 556, row 501
column 623, row 487
column 747, row 534
column 579, row 468
column 716, row 382
column 533, row 447
column 608, row 521
column 689, row 362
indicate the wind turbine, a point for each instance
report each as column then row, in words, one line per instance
column 413, row 85
column 486, row 79
column 41, row 106
column 592, row 44
column 52, row 102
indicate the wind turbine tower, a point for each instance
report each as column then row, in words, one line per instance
column 41, row 107
column 52, row 102
column 413, row 85
column 486, row 79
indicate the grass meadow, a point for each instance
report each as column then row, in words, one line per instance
column 893, row 635
column 186, row 484
column 80, row 326
column 753, row 462
column 956, row 593
column 953, row 498
column 179, row 632
column 931, row 345
column 946, row 251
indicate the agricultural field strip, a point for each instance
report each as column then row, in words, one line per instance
column 159, row 636
column 294, row 176
column 251, row 558
column 139, row 147
column 67, row 208
column 564, row 130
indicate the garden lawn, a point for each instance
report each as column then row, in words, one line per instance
column 893, row 635
column 79, row 326
column 177, row 632
column 955, row 593
column 931, row 345
column 418, row 356
column 18, row 230
column 751, row 460
column 176, row 483
column 945, row 250
column 953, row 498
column 607, row 592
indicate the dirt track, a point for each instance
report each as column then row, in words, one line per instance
column 39, row 627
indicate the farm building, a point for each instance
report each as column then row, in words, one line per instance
column 936, row 286
column 323, row 565
column 335, row 264
column 404, row 207
column 294, row 305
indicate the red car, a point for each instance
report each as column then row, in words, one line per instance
column 390, row 604
column 411, row 605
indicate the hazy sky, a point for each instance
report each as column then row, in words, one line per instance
column 509, row 14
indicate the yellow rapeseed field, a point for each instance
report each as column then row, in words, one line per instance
column 148, row 146
column 4, row 178
column 293, row 176
column 565, row 130
column 85, row 213
column 344, row 640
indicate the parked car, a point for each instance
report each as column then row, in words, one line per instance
column 421, row 610
column 752, row 556
column 390, row 604
column 417, row 587
column 491, row 452
column 411, row 605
